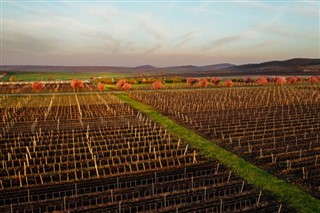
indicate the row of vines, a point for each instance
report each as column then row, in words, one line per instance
column 276, row 128
column 85, row 153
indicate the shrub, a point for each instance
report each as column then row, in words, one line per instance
column 37, row 86
column 228, row 83
column 216, row 80
column 76, row 84
column 157, row 85
column 101, row 87
column 192, row 81
column 314, row 79
column 126, row 86
column 262, row 81
column 203, row 83
column 248, row 80
column 292, row 80
column 120, row 84
column 281, row 80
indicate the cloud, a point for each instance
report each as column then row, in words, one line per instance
column 152, row 49
column 184, row 39
column 263, row 44
column 223, row 41
column 153, row 28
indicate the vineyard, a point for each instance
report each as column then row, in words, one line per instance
column 48, row 87
column 85, row 153
column 276, row 128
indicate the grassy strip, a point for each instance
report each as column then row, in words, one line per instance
column 285, row 192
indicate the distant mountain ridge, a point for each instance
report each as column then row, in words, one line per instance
column 40, row 68
column 290, row 62
column 296, row 66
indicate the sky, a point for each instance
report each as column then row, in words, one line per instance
column 158, row 33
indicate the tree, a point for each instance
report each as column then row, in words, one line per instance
column 228, row 83
column 37, row 86
column 101, row 86
column 157, row 85
column 293, row 79
column 126, row 86
column 203, row 83
column 120, row 84
column 12, row 78
column 248, row 80
column 76, row 84
column 216, row 80
column 314, row 79
column 192, row 81
column 262, row 81
column 281, row 80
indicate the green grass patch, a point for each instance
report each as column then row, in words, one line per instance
column 282, row 190
column 45, row 76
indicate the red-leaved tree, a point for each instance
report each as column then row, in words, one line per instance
column 157, row 85
column 262, row 81
column 314, row 79
column 228, row 83
column 192, row 81
column 37, row 86
column 76, row 84
column 120, row 84
column 101, row 87
column 203, row 83
column 216, row 80
column 292, row 79
column 247, row 80
column 281, row 80
column 126, row 86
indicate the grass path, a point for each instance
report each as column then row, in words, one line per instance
column 282, row 190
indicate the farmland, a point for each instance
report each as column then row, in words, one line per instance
column 275, row 128
column 92, row 152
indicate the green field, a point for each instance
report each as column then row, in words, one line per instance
column 44, row 76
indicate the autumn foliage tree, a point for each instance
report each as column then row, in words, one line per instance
column 248, row 80
column 314, row 79
column 216, row 80
column 157, row 85
column 262, row 81
column 37, row 86
column 228, row 83
column 192, row 81
column 281, row 80
column 126, row 86
column 12, row 78
column 203, row 83
column 120, row 84
column 101, row 87
column 292, row 79
column 76, row 84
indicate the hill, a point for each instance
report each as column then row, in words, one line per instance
column 297, row 66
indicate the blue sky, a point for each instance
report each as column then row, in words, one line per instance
column 159, row 33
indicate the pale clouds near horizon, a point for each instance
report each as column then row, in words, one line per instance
column 157, row 33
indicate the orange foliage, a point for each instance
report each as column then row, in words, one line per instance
column 192, row 81
column 262, row 81
column 157, row 85
column 203, row 83
column 120, row 83
column 76, row 84
column 37, row 86
column 314, row 79
column 216, row 80
column 281, row 80
column 126, row 86
column 293, row 79
column 228, row 83
column 101, row 87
